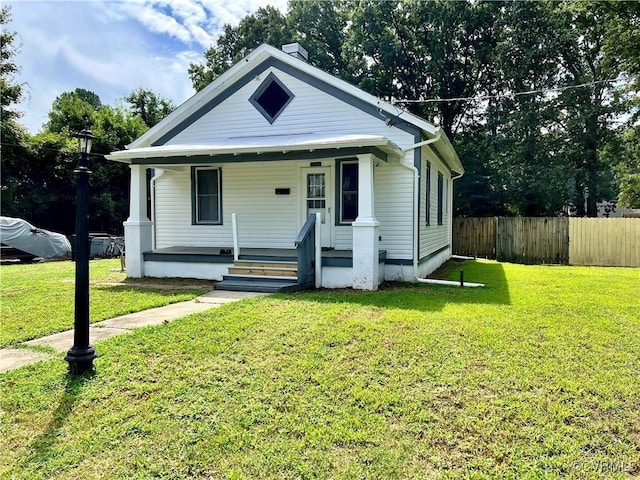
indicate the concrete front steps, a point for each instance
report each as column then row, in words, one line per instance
column 261, row 276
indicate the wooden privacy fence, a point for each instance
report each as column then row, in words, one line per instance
column 610, row 242
column 575, row 241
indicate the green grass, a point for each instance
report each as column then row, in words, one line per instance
column 38, row 299
column 534, row 376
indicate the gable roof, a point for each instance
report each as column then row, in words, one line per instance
column 265, row 56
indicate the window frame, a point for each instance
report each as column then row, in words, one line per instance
column 440, row 198
column 340, row 221
column 195, row 196
column 271, row 78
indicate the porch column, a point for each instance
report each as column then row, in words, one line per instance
column 137, row 228
column 365, row 229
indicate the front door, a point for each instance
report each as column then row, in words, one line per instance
column 317, row 199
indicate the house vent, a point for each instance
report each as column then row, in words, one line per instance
column 296, row 50
column 271, row 98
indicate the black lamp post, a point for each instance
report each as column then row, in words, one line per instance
column 81, row 355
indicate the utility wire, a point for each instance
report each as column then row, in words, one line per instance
column 503, row 95
column 55, row 150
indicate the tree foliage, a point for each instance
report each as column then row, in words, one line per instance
column 11, row 92
column 149, row 106
column 468, row 67
column 39, row 184
column 267, row 24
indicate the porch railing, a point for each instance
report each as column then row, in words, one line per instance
column 306, row 250
column 234, row 228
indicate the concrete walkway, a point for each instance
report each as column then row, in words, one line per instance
column 11, row 358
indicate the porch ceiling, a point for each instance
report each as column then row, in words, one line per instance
column 278, row 146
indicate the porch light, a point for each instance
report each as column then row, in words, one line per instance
column 81, row 355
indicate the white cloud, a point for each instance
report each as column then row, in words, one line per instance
column 112, row 47
column 157, row 22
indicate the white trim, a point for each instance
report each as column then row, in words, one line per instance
column 327, row 226
column 196, row 196
column 270, row 144
column 234, row 227
column 318, row 253
column 339, row 183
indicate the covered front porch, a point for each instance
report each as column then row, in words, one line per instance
column 274, row 187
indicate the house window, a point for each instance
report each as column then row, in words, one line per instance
column 271, row 98
column 348, row 192
column 440, row 195
column 207, row 196
column 427, row 207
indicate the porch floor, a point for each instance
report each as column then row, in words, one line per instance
column 338, row 258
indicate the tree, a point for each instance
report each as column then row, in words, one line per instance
column 41, row 184
column 423, row 51
column 13, row 152
column 623, row 42
column 586, row 112
column 623, row 152
column 114, row 127
column 266, row 25
column 149, row 106
column 11, row 91
column 322, row 28
column 72, row 112
column 531, row 177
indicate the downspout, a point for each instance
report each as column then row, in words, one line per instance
column 416, row 176
column 152, row 183
column 451, row 210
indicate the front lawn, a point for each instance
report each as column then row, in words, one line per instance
column 38, row 299
column 534, row 376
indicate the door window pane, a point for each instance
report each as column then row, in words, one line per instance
column 316, row 191
column 315, row 185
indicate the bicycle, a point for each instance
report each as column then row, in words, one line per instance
column 116, row 249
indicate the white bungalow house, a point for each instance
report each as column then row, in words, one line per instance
column 280, row 176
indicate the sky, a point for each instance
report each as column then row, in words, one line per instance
column 113, row 47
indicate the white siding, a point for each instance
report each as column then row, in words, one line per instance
column 263, row 216
column 311, row 111
column 248, row 189
column 172, row 221
column 394, row 209
column 434, row 237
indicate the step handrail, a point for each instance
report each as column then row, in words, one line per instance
column 234, row 229
column 306, row 247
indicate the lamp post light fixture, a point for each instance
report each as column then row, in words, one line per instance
column 81, row 355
